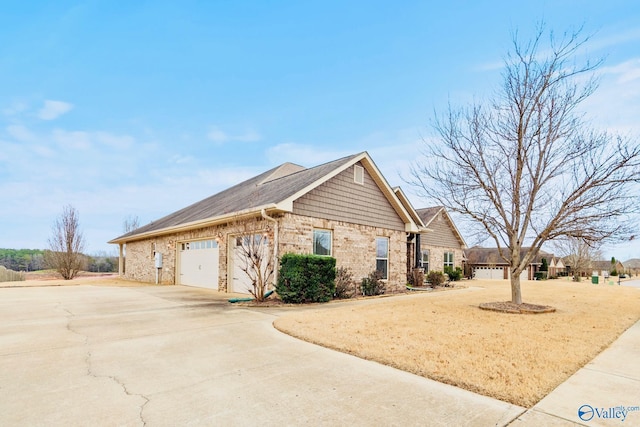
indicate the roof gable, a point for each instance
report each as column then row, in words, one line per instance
column 275, row 190
column 429, row 217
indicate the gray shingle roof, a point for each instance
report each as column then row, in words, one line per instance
column 428, row 214
column 258, row 191
column 478, row 255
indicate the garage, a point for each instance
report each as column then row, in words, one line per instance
column 490, row 273
column 246, row 247
column 496, row 273
column 198, row 263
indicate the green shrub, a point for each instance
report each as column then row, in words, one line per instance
column 614, row 272
column 345, row 286
column 373, row 284
column 540, row 275
column 306, row 278
column 435, row 278
column 454, row 274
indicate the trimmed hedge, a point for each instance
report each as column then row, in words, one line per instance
column 306, row 278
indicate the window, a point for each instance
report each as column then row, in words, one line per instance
column 448, row 259
column 258, row 240
column 358, row 174
column 382, row 256
column 322, row 242
column 424, row 260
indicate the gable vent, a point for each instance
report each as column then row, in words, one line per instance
column 358, row 174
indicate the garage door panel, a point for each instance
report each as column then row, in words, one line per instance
column 199, row 264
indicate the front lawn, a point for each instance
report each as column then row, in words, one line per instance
column 518, row 358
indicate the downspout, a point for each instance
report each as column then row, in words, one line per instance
column 263, row 212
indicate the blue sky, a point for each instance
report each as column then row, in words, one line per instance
column 143, row 107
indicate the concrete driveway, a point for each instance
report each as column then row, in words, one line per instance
column 96, row 355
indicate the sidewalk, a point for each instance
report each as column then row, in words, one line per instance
column 605, row 392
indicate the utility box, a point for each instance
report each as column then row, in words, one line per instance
column 158, row 260
column 594, row 280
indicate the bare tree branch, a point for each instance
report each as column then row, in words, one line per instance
column 525, row 166
column 66, row 244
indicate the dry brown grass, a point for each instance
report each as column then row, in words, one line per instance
column 518, row 358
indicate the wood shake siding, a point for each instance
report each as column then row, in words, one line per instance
column 442, row 234
column 342, row 199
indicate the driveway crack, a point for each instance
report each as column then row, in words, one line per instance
column 90, row 370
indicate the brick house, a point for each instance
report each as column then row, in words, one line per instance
column 487, row 263
column 344, row 208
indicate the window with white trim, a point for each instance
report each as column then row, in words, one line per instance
column 448, row 259
column 382, row 256
column 322, row 242
column 358, row 174
column 424, row 260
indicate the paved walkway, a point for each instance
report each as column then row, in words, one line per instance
column 606, row 392
column 156, row 356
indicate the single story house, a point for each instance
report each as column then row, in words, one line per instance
column 487, row 263
column 632, row 266
column 344, row 208
column 604, row 268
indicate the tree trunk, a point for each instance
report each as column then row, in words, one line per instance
column 516, row 293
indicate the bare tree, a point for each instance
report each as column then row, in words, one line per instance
column 255, row 254
column 130, row 223
column 66, row 244
column 577, row 254
column 524, row 167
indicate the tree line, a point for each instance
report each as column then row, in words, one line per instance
column 34, row 260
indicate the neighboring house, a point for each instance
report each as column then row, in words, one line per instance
column 440, row 243
column 632, row 266
column 604, row 268
column 487, row 263
column 344, row 208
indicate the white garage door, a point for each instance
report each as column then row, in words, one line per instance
column 199, row 263
column 495, row 273
column 254, row 244
column 491, row 273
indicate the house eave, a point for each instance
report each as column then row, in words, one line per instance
column 207, row 222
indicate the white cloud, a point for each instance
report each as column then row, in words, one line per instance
column 54, row 109
column 217, row 135
column 120, row 142
column 20, row 133
column 220, row 136
column 249, row 136
column 625, row 72
column 72, row 139
column 15, row 108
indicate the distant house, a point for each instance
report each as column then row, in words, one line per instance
column 344, row 209
column 488, row 263
column 440, row 243
column 632, row 266
column 604, row 267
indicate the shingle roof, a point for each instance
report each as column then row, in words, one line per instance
column 270, row 187
column 478, row 255
column 428, row 214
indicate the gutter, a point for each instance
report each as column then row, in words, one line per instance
column 263, row 212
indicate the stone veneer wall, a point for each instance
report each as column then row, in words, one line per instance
column 140, row 264
column 436, row 257
column 354, row 247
